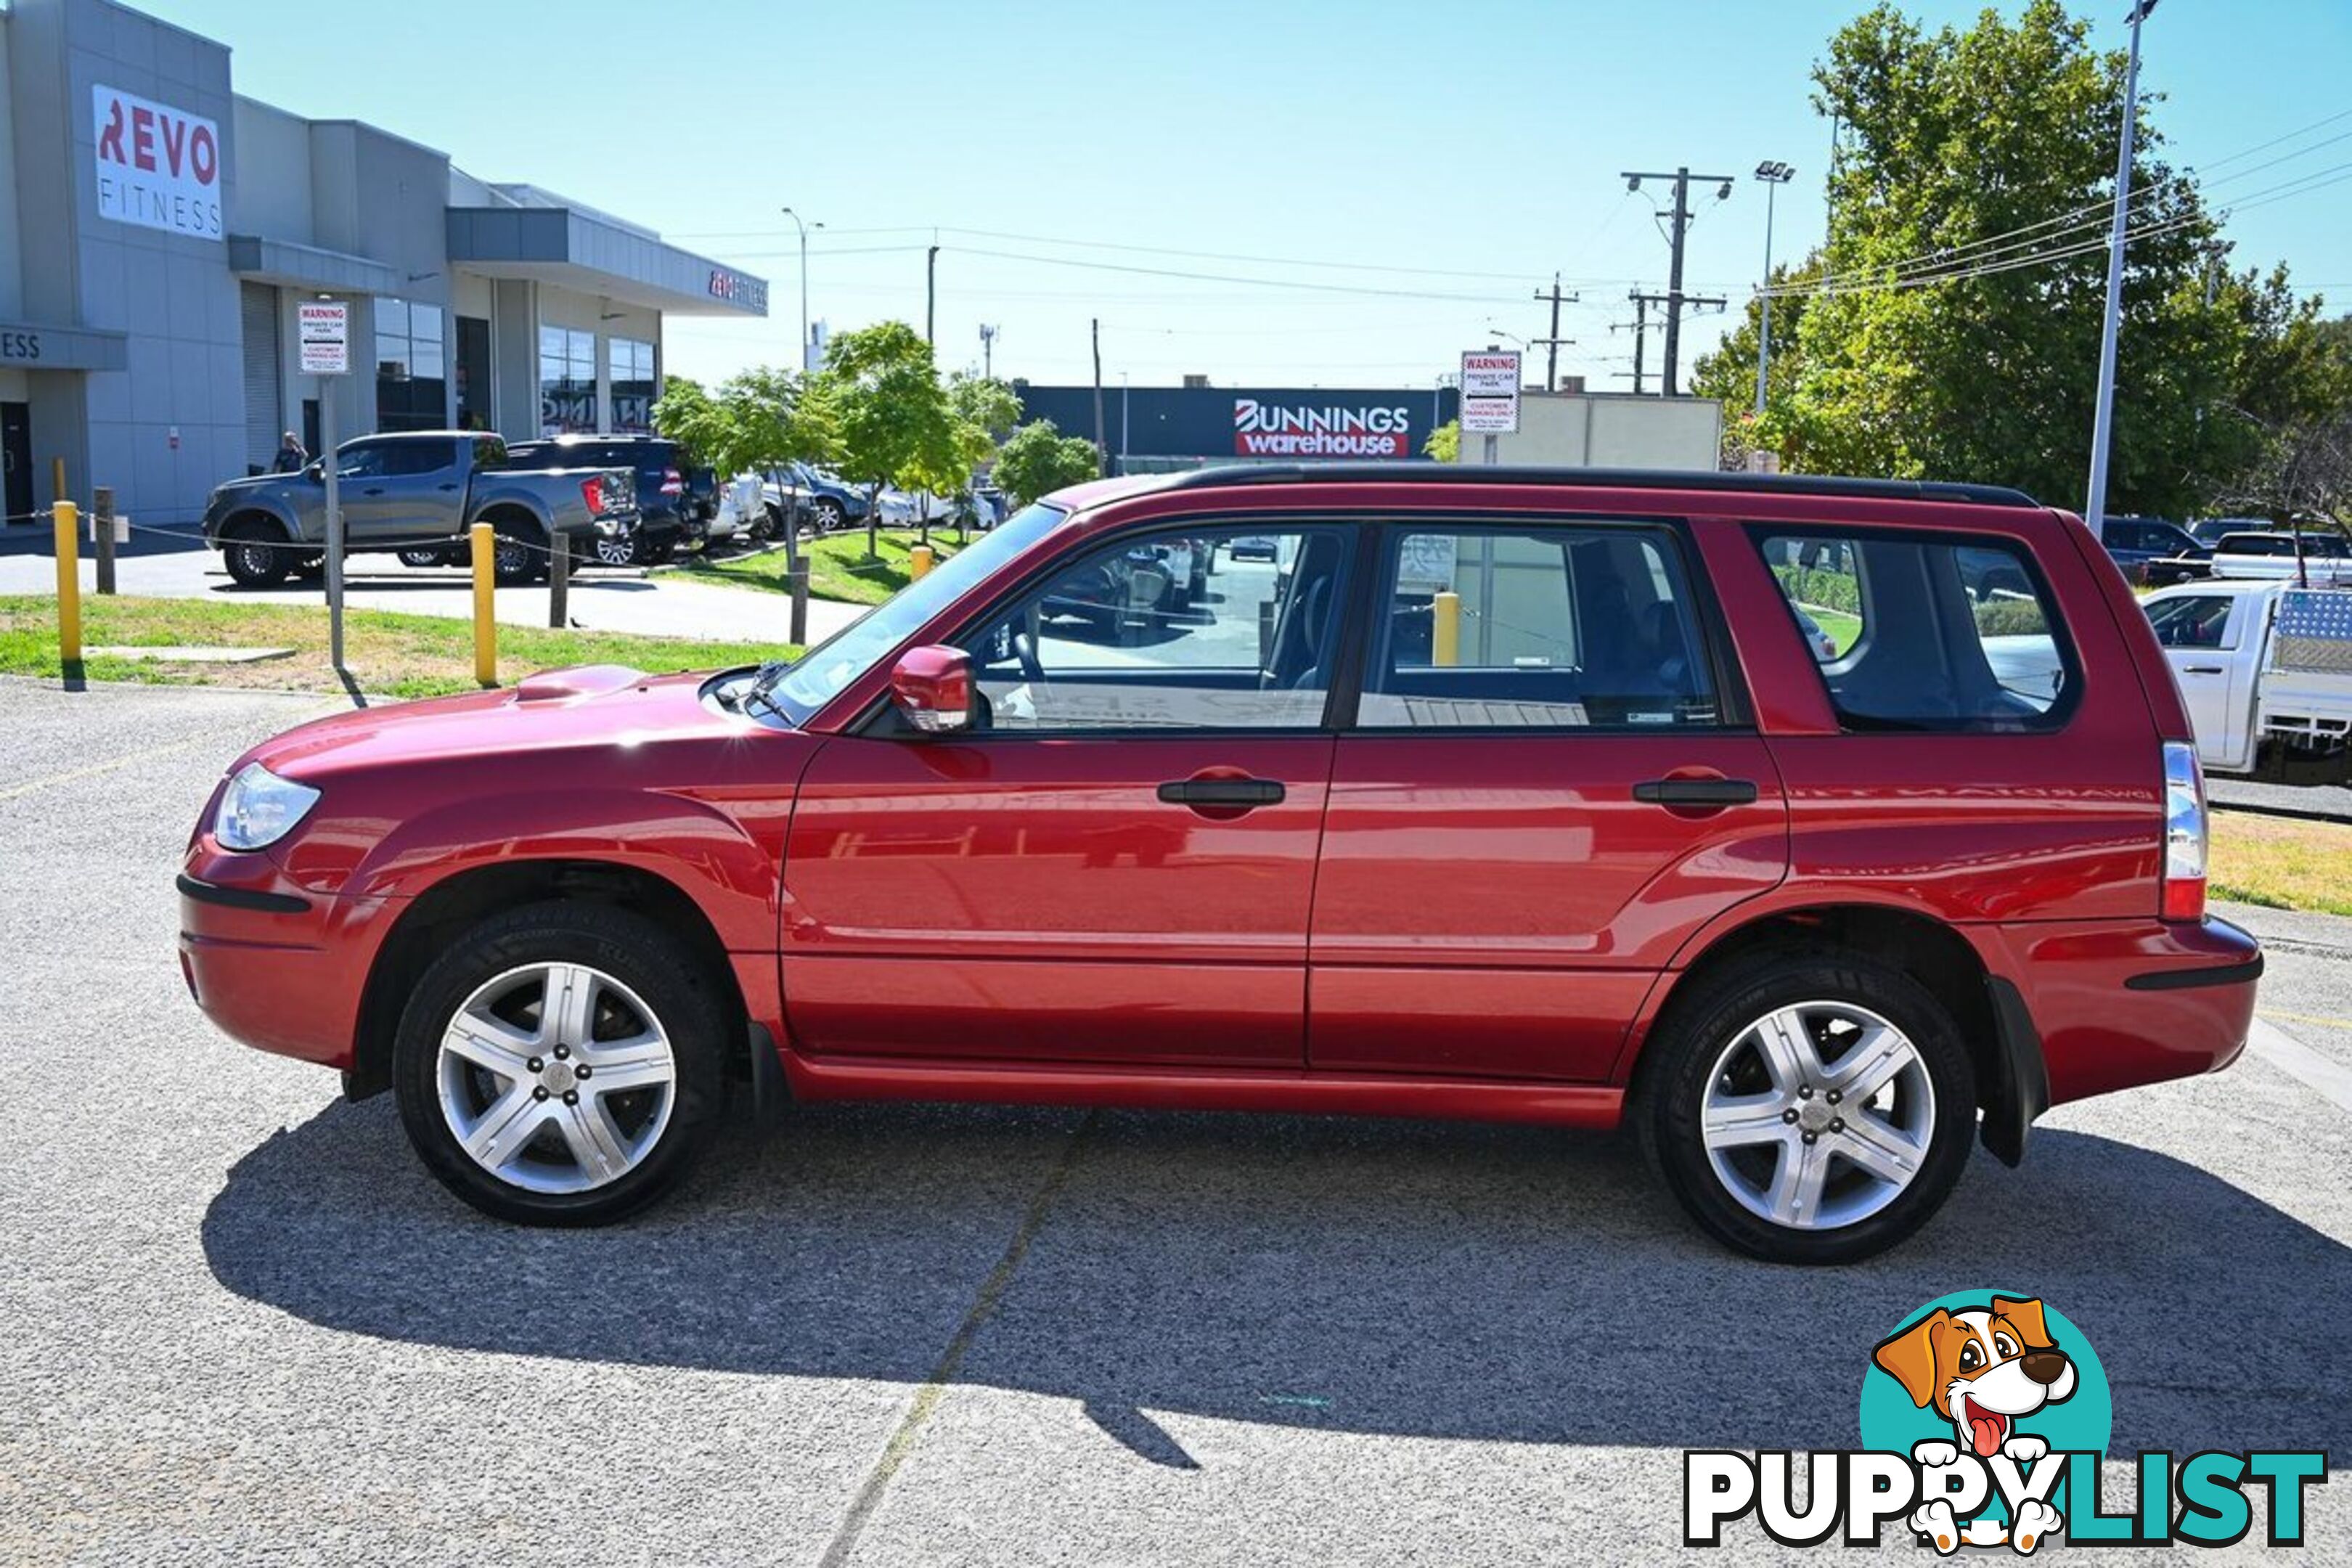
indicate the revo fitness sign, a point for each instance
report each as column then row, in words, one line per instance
column 1288, row 430
column 157, row 166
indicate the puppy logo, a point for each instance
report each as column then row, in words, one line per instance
column 1981, row 1370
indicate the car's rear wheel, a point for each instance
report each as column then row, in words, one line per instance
column 560, row 1063
column 829, row 514
column 428, row 557
column 620, row 549
column 1809, row 1108
column 255, row 557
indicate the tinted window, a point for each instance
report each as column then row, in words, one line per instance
column 413, row 458
column 1950, row 635
column 2255, row 544
column 2196, row 620
column 1171, row 631
column 1543, row 627
column 362, row 460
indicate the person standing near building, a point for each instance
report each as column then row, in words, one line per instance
column 290, row 457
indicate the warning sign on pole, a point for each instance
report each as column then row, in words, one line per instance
column 326, row 327
column 1490, row 392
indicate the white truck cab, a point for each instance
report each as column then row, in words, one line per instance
column 2266, row 671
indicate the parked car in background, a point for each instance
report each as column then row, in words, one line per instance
column 2281, row 555
column 740, row 511
column 2208, row 530
column 1625, row 856
column 825, row 499
column 1251, row 547
column 2134, row 541
column 416, row 494
column 674, row 499
column 2265, row 668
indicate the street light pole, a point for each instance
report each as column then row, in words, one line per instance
column 1774, row 175
column 805, row 333
column 2095, row 510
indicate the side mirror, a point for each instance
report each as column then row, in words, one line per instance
column 316, row 472
column 932, row 688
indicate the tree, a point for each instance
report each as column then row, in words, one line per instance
column 891, row 422
column 1728, row 373
column 1444, row 443
column 1039, row 459
column 986, row 403
column 1953, row 329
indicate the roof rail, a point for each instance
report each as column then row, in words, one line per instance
column 1427, row 473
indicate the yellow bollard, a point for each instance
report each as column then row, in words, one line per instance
column 918, row 561
column 1445, row 633
column 68, row 520
column 486, row 626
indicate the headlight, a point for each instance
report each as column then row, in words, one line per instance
column 258, row 809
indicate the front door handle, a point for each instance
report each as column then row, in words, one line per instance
column 2201, row 670
column 1244, row 791
column 448, row 486
column 1696, row 792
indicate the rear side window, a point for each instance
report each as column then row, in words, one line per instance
column 1924, row 633
column 1548, row 628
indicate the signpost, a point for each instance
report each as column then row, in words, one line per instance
column 326, row 353
column 1490, row 395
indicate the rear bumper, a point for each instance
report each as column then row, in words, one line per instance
column 2121, row 1003
column 273, row 966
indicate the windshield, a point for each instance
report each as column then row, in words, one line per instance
column 826, row 670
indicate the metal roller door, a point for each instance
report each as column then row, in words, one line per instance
column 263, row 419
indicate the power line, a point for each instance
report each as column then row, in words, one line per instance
column 1294, row 283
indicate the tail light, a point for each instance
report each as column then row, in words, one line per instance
column 593, row 491
column 2185, row 831
column 673, row 483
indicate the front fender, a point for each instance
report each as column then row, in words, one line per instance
column 698, row 848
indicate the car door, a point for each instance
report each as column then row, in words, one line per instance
column 2201, row 635
column 419, row 495
column 1548, row 784
column 1115, row 865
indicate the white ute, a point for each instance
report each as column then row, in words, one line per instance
column 2265, row 668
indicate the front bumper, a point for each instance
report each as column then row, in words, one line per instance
column 274, row 966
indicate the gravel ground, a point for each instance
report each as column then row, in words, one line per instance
column 242, row 1325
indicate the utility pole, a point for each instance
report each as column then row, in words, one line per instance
column 2095, row 510
column 1774, row 176
column 1677, row 229
column 1668, row 304
column 1551, row 343
column 932, row 296
column 1102, row 448
column 988, row 351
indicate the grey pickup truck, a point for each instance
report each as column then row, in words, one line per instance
column 415, row 495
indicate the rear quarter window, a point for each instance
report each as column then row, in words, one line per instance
column 1917, row 632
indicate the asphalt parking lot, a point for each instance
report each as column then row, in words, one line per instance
column 243, row 1324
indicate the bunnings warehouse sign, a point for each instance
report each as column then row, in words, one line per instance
column 1263, row 429
column 158, row 166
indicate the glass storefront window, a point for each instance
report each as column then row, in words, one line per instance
column 567, row 381
column 412, row 366
column 631, row 363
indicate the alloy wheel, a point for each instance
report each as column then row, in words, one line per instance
column 1818, row 1115
column 556, row 1078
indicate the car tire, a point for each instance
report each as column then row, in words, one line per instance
column 562, row 1150
column 619, row 549
column 1710, row 1079
column 433, row 556
column 311, row 568
column 518, row 556
column 255, row 557
column 829, row 514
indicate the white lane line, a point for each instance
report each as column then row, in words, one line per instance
column 2331, row 1079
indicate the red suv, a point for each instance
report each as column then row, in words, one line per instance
column 1501, row 794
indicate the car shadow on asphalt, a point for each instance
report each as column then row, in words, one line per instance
column 1403, row 1278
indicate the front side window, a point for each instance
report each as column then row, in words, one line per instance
column 1171, row 630
column 1925, row 632
column 1566, row 626
column 2195, row 620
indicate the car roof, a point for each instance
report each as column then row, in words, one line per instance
column 1242, row 476
column 2228, row 587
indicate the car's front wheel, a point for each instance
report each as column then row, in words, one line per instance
column 560, row 1063
column 830, row 514
column 255, row 558
column 1809, row 1108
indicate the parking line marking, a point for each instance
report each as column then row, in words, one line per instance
column 2329, row 1079
column 926, row 1398
column 107, row 767
column 2305, row 1018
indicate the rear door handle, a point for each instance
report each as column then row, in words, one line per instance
column 1223, row 792
column 372, row 490
column 1696, row 792
column 2201, row 670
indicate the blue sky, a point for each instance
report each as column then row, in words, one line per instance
column 1480, row 143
